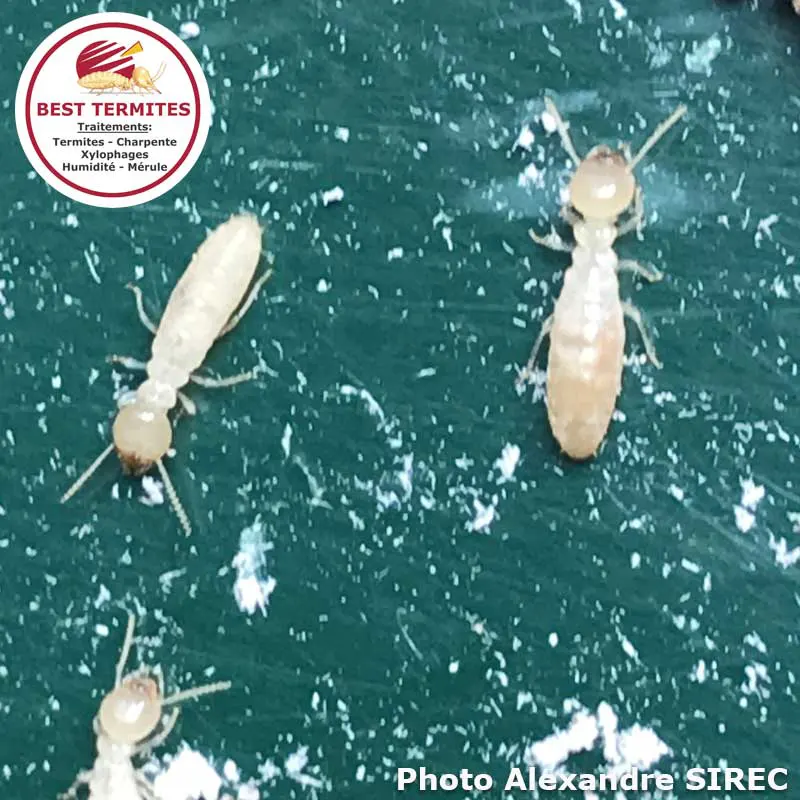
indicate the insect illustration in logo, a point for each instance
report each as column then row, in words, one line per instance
column 106, row 65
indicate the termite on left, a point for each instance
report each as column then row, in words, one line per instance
column 130, row 723
column 205, row 304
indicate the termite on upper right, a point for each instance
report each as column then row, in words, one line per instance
column 587, row 326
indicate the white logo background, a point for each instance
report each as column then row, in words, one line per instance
column 56, row 85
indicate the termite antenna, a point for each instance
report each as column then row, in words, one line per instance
column 126, row 650
column 188, row 694
column 183, row 518
column 87, row 474
column 563, row 131
column 656, row 135
column 159, row 71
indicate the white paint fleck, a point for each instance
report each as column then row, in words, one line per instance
column 286, row 440
column 153, row 491
column 188, row 777
column 577, row 9
column 373, row 406
column 620, row 12
column 334, row 195
column 699, row 60
column 507, row 462
column 752, row 495
column 784, row 557
column 525, row 139
column 189, row 30
column 251, row 589
column 549, row 122
column 294, row 766
column 395, row 252
column 342, row 134
column 484, row 516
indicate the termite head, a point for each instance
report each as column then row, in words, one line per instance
column 603, row 185
column 142, row 436
column 131, row 712
column 141, row 78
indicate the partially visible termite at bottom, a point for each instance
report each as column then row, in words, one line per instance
column 587, row 326
column 201, row 309
column 130, row 723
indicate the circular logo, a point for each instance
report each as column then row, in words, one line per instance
column 113, row 110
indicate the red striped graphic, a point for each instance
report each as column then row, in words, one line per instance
column 99, row 57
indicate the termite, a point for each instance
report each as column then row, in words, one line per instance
column 201, row 309
column 131, row 722
column 140, row 79
column 587, row 326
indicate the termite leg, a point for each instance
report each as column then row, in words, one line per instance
column 249, row 300
column 219, row 383
column 552, row 241
column 637, row 216
column 570, row 215
column 83, row 778
column 563, row 131
column 146, row 321
column 525, row 374
column 648, row 273
column 144, row 787
column 188, row 404
column 635, row 316
column 127, row 362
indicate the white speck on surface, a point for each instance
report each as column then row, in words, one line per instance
column 530, row 176
column 252, row 590
column 188, row 777
column 628, row 648
column 635, row 747
column 266, row 70
column 189, row 30
column 690, row 566
column 549, row 122
column 395, row 252
column 525, row 139
column 552, row 639
column 577, row 9
column 294, row 766
column 620, row 12
column 676, row 492
column 342, row 134
column 784, row 557
column 744, row 519
column 453, row 667
column 373, row 406
column 323, row 286
column 231, row 771
column 752, row 495
column 286, row 440
column 153, row 491
column 699, row 60
column 507, row 462
column 764, row 228
column 699, row 673
column 484, row 516
column 334, row 195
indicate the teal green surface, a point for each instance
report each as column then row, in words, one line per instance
column 422, row 638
